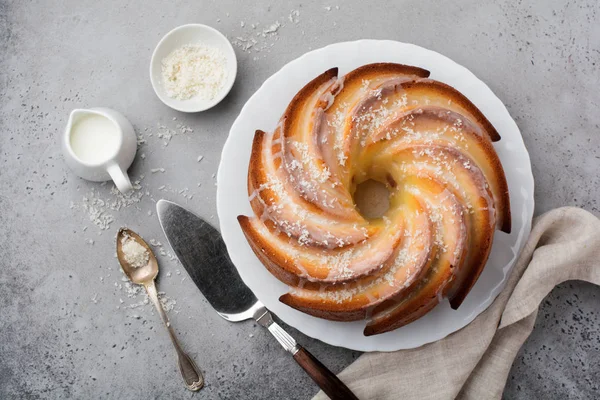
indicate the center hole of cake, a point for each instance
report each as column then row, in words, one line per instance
column 372, row 198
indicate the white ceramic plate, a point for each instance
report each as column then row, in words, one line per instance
column 263, row 110
column 191, row 34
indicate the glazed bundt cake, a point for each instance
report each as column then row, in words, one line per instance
column 428, row 144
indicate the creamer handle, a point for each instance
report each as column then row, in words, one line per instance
column 120, row 178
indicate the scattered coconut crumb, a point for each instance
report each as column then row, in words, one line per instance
column 254, row 42
column 294, row 16
column 200, row 158
column 273, row 28
column 98, row 209
column 166, row 134
column 167, row 302
column 133, row 292
column 155, row 170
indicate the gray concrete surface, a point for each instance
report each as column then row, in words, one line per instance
column 64, row 332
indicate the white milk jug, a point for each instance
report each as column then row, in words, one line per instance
column 99, row 144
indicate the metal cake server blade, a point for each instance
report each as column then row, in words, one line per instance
column 202, row 252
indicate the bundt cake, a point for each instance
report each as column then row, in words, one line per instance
column 428, row 144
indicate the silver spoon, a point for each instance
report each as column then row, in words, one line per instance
column 145, row 276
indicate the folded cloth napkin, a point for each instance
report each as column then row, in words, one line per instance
column 474, row 362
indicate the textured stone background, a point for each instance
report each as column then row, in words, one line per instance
column 64, row 332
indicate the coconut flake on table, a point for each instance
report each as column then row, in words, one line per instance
column 166, row 134
column 294, row 16
column 274, row 27
column 99, row 210
column 134, row 292
column 254, row 42
column 194, row 70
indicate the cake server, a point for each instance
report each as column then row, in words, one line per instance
column 202, row 252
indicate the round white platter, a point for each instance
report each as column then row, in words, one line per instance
column 263, row 110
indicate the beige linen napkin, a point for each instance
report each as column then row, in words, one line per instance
column 474, row 362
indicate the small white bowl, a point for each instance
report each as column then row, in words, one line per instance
column 191, row 34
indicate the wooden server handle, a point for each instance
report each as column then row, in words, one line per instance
column 327, row 381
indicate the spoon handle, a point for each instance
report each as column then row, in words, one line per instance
column 189, row 371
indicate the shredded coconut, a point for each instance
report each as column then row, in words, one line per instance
column 274, row 27
column 252, row 41
column 135, row 254
column 134, row 291
column 194, row 71
column 294, row 16
column 98, row 209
